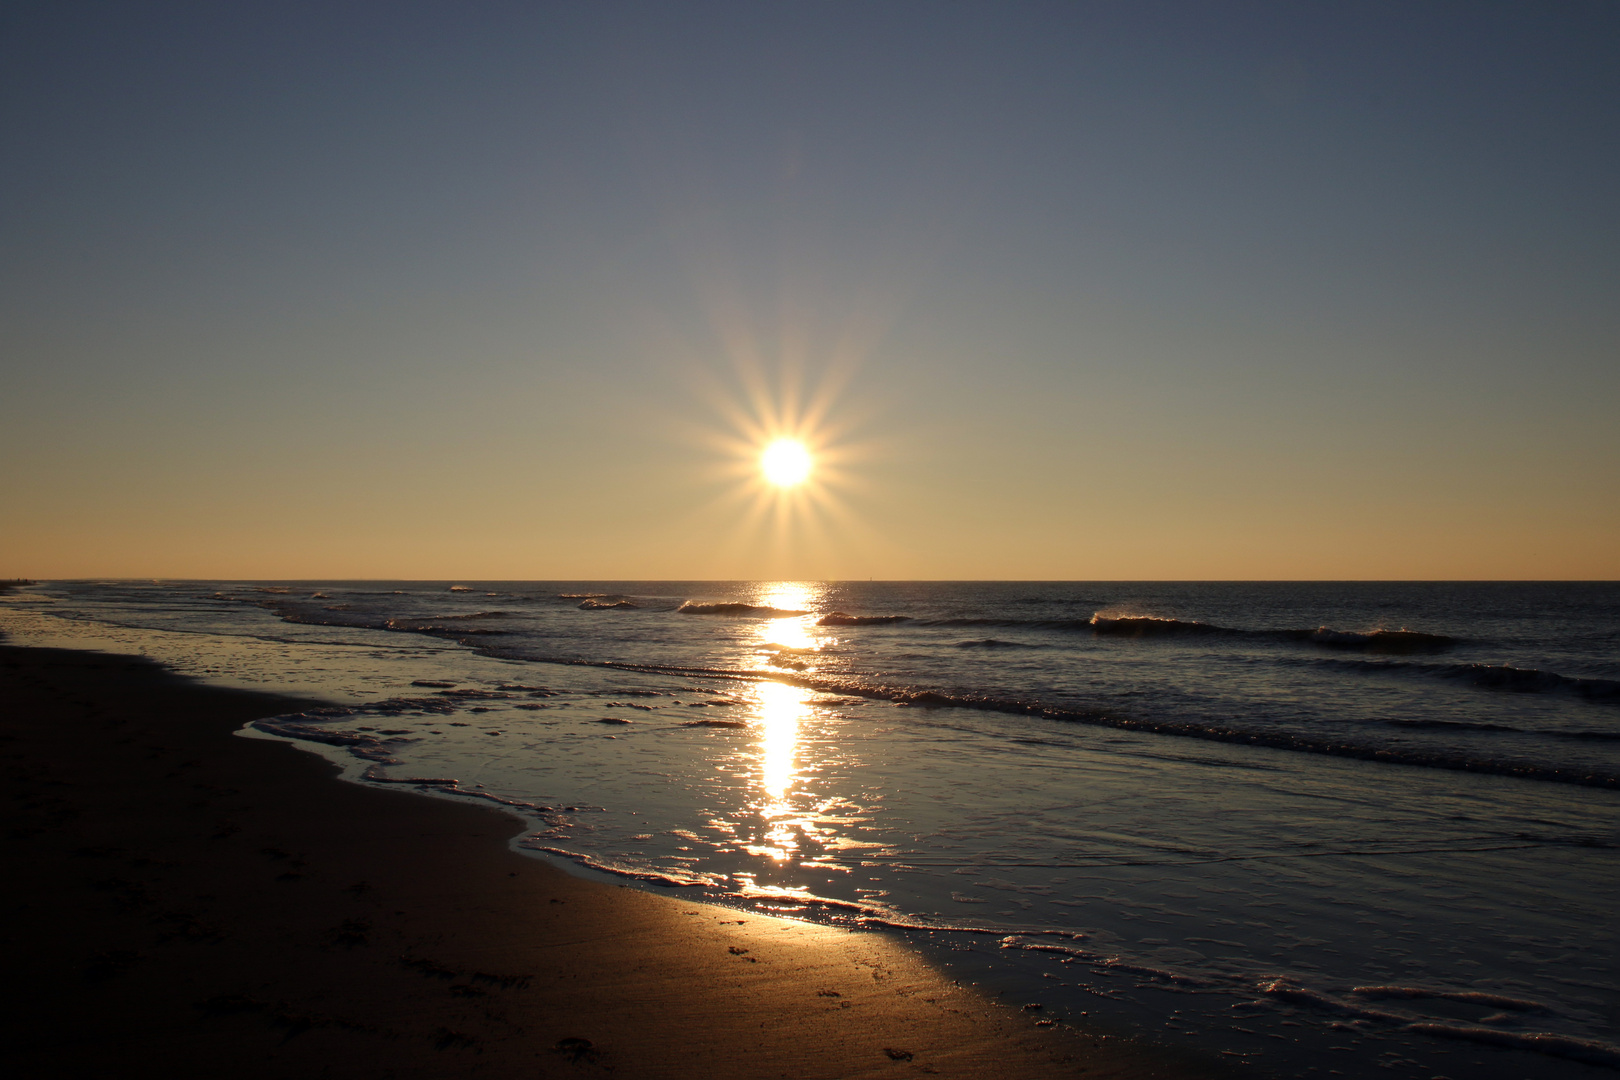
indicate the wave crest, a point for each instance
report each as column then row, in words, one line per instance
column 752, row 610
column 1396, row 642
column 838, row 618
column 1152, row 626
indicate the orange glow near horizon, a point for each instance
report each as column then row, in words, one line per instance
column 787, row 445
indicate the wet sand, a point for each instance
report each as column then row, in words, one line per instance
column 185, row 902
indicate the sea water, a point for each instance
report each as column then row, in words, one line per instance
column 1318, row 829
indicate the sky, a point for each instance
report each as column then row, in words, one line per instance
column 1070, row 291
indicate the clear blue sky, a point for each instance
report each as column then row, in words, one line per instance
column 1054, row 290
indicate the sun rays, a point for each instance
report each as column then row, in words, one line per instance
column 784, row 454
column 788, row 433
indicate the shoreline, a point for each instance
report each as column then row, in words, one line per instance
column 205, row 902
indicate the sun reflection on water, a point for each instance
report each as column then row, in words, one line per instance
column 788, row 633
column 781, row 709
column 785, row 820
column 791, row 640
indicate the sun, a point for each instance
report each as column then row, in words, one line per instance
column 785, row 462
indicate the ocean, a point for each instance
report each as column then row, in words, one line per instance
column 1357, row 829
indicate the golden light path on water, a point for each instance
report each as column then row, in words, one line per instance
column 793, row 826
column 783, row 709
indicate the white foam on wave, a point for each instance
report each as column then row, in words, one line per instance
column 1109, row 963
column 367, row 747
column 670, row 878
column 1571, row 1047
column 449, row 786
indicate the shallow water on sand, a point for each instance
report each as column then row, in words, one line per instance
column 1312, row 828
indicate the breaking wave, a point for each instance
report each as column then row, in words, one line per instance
column 1449, row 725
column 751, row 610
column 1031, row 624
column 1459, row 761
column 467, row 618
column 1467, row 997
column 1485, row 757
column 431, row 626
column 1148, row 626
column 1399, row 642
column 994, row 643
column 1589, row 1051
column 668, row 878
column 1532, row 680
column 1504, row 677
column 1569, row 1047
column 838, row 618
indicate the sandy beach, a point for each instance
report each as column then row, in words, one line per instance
column 188, row 902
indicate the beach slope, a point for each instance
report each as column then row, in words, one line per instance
column 186, row 902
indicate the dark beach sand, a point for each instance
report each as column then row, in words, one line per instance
column 182, row 902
